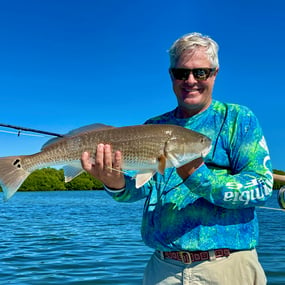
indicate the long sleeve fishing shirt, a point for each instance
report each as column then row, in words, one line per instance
column 215, row 206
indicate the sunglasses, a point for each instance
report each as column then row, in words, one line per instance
column 198, row 73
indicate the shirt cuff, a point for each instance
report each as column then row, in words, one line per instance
column 114, row 190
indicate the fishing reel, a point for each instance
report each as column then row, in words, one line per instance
column 281, row 197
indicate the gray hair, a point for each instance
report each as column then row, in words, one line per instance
column 190, row 42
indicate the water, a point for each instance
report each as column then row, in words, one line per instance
column 271, row 247
column 83, row 238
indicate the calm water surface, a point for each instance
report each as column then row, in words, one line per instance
column 84, row 237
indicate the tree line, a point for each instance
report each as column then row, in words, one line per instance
column 49, row 179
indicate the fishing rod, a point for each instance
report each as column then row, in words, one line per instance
column 30, row 130
column 277, row 177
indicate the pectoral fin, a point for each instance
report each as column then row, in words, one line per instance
column 177, row 162
column 143, row 177
column 173, row 160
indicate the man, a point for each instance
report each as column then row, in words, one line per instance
column 200, row 218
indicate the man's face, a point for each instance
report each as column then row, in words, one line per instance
column 193, row 95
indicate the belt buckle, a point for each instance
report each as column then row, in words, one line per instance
column 185, row 257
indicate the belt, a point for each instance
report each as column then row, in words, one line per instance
column 187, row 257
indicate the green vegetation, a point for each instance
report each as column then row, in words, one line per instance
column 49, row 179
column 44, row 179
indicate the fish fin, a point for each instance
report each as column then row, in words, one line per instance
column 50, row 142
column 77, row 131
column 72, row 170
column 12, row 175
column 88, row 128
column 143, row 177
column 173, row 160
column 161, row 164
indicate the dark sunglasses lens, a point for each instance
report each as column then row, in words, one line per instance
column 201, row 73
column 180, row 73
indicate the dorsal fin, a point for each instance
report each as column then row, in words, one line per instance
column 51, row 141
column 88, row 128
column 77, row 131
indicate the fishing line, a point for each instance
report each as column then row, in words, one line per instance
column 156, row 182
column 118, row 170
column 274, row 209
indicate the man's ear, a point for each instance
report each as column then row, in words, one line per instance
column 217, row 70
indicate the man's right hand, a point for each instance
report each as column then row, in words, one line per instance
column 106, row 167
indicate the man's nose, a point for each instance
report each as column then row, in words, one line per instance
column 191, row 79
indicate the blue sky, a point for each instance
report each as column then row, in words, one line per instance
column 64, row 64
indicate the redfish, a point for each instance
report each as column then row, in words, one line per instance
column 146, row 149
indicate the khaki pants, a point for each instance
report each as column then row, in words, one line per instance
column 240, row 268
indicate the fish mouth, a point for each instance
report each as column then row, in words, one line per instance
column 206, row 151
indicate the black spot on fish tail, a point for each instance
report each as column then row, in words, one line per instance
column 17, row 163
column 12, row 174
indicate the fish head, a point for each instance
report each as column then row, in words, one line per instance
column 183, row 148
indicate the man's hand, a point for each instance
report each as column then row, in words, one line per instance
column 105, row 168
column 187, row 169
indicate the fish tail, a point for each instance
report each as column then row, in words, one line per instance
column 12, row 175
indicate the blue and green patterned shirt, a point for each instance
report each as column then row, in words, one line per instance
column 215, row 206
